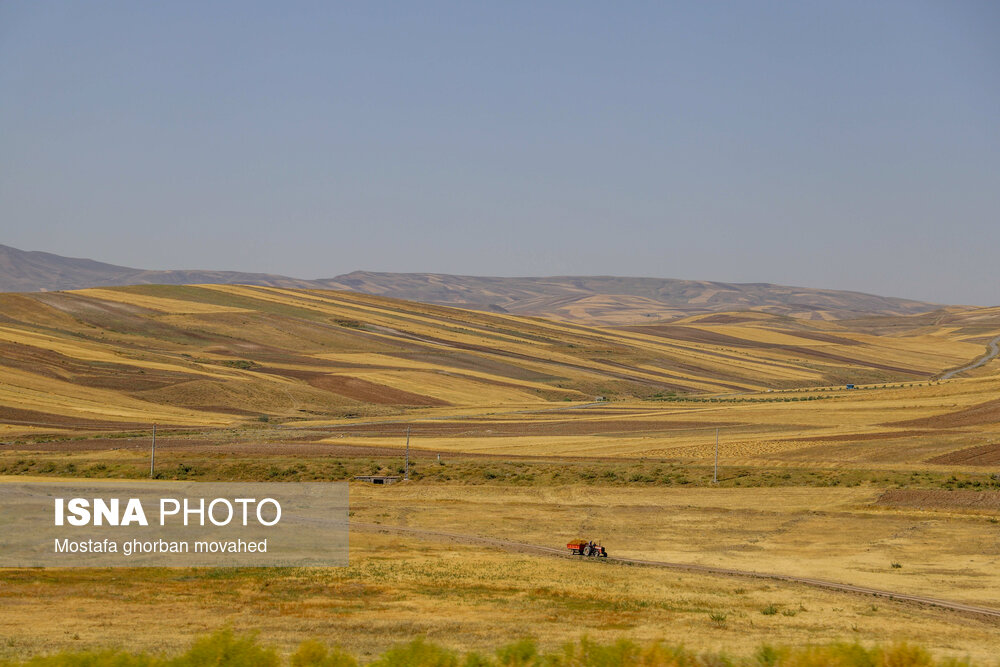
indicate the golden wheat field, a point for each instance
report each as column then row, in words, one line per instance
column 225, row 354
column 528, row 430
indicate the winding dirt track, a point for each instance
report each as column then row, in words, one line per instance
column 992, row 350
column 542, row 550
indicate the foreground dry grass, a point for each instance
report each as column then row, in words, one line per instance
column 827, row 533
column 458, row 596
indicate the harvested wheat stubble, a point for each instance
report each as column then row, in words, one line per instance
column 859, row 437
column 526, row 428
column 939, row 499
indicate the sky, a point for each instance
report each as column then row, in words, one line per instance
column 844, row 145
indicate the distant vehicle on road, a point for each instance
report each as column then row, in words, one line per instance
column 587, row 548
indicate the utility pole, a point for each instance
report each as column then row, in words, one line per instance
column 406, row 473
column 715, row 476
column 152, row 454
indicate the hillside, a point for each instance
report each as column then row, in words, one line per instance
column 223, row 354
column 600, row 300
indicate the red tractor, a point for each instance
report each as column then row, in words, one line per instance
column 587, row 548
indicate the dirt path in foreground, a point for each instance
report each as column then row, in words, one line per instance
column 543, row 550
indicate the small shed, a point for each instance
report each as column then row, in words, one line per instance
column 377, row 479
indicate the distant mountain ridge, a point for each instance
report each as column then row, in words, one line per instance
column 607, row 300
column 620, row 300
column 35, row 271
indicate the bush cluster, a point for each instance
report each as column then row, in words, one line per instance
column 225, row 649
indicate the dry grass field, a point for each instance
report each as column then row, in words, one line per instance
column 892, row 484
column 460, row 596
column 949, row 550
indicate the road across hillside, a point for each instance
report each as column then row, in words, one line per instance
column 992, row 350
column 538, row 549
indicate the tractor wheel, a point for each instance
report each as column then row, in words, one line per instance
column 586, row 550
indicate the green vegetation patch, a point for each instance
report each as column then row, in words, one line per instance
column 226, row 649
column 463, row 470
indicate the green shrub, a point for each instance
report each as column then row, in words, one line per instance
column 477, row 660
column 417, row 653
column 904, row 655
column 244, row 364
column 833, row 655
column 315, row 654
column 591, row 654
column 523, row 653
column 224, row 649
column 769, row 656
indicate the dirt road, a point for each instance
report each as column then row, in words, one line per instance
column 543, row 550
column 992, row 350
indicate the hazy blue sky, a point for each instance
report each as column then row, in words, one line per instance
column 850, row 145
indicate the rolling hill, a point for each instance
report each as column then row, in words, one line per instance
column 606, row 300
column 216, row 355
